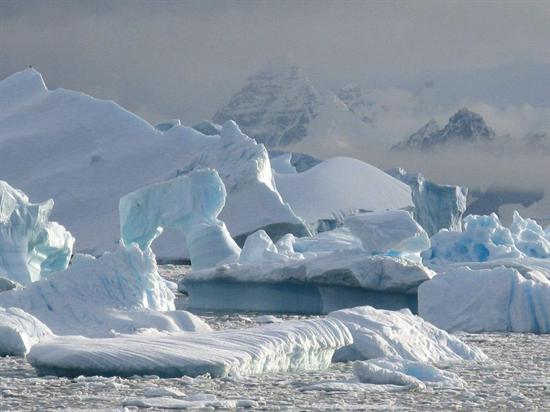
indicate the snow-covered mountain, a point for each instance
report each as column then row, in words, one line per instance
column 280, row 107
column 464, row 126
column 352, row 95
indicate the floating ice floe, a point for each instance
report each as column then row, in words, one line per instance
column 200, row 401
column 402, row 372
column 436, row 206
column 189, row 203
column 81, row 144
column 498, row 299
column 399, row 334
column 321, row 273
column 120, row 292
column 19, row 331
column 279, row 347
column 31, row 247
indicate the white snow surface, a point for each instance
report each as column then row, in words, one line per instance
column 19, row 331
column 498, row 299
column 87, row 153
column 392, row 232
column 341, row 185
column 286, row 346
column 399, row 335
column 189, row 203
column 402, row 372
column 120, row 292
column 31, row 247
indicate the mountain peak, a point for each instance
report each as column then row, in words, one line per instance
column 464, row 126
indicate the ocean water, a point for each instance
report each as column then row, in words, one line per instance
column 517, row 378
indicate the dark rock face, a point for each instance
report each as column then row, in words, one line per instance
column 464, row 126
column 274, row 107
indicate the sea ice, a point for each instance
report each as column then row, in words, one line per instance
column 499, row 299
column 279, row 347
column 189, row 203
column 402, row 372
column 436, row 206
column 31, row 247
column 399, row 334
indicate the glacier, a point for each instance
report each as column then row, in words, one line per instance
column 399, row 335
column 120, row 292
column 81, row 144
column 190, row 204
column 436, row 206
column 280, row 347
column 497, row 299
column 31, row 246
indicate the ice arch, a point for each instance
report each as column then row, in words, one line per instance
column 189, row 203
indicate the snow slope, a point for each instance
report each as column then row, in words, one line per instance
column 280, row 347
column 341, row 184
column 86, row 153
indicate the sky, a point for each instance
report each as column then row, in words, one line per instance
column 184, row 59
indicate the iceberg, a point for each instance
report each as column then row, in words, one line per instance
column 330, row 188
column 485, row 239
column 320, row 273
column 402, row 372
column 120, row 292
column 81, row 144
column 498, row 299
column 390, row 232
column 31, row 247
column 279, row 347
column 189, row 203
column 399, row 335
column 19, row 331
column 436, row 206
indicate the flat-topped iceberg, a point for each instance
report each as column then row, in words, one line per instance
column 399, row 335
column 499, row 299
column 374, row 261
column 188, row 203
column 81, row 144
column 31, row 247
column 436, row 206
column 120, row 292
column 279, row 347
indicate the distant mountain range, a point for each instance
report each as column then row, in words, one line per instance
column 464, row 126
column 282, row 108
